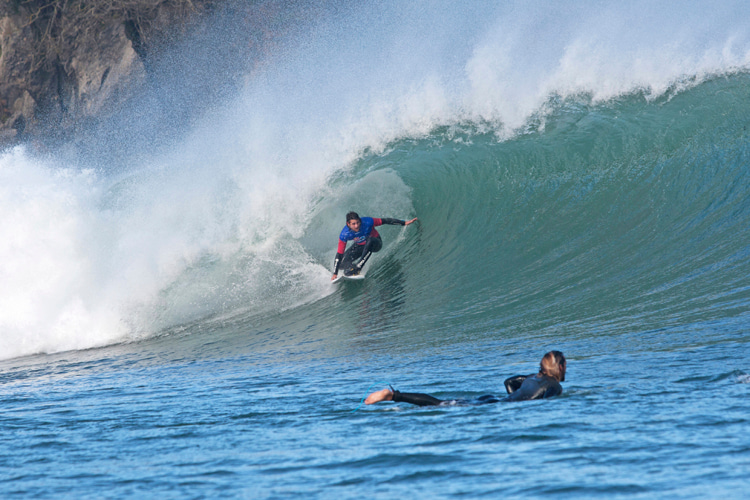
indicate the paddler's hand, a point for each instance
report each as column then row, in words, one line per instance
column 409, row 221
column 334, row 277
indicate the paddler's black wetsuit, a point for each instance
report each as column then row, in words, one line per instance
column 519, row 387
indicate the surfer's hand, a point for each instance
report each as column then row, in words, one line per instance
column 334, row 277
column 409, row 221
column 378, row 396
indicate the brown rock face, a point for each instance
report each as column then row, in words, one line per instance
column 17, row 105
column 64, row 62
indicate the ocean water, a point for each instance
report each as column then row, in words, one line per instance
column 580, row 172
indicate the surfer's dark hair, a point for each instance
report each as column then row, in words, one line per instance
column 553, row 365
column 352, row 216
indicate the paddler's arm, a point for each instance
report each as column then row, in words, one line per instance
column 514, row 383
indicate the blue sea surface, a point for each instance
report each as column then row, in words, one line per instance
column 157, row 420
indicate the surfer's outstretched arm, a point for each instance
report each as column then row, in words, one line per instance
column 394, row 222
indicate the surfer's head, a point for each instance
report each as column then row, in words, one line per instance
column 352, row 216
column 553, row 365
column 353, row 221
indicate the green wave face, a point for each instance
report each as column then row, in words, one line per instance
column 632, row 213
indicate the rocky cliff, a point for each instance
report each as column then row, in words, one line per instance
column 66, row 62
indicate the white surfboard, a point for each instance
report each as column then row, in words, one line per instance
column 355, row 277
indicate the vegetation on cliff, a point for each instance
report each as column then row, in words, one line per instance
column 59, row 25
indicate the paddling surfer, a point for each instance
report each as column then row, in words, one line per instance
column 544, row 384
column 366, row 242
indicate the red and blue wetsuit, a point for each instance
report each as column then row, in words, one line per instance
column 366, row 241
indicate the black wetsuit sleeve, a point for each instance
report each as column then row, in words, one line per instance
column 415, row 398
column 513, row 383
column 337, row 262
column 394, row 222
column 536, row 387
column 555, row 389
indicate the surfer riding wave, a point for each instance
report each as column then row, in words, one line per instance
column 366, row 242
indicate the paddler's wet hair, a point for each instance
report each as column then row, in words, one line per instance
column 553, row 365
column 352, row 216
